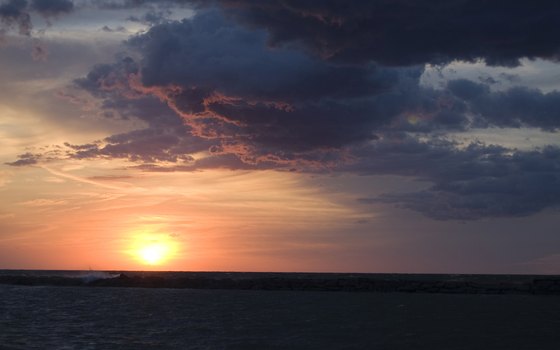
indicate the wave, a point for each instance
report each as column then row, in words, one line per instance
column 91, row 276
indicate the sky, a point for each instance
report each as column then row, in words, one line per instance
column 242, row 135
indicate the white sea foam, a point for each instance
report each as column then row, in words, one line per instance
column 91, row 276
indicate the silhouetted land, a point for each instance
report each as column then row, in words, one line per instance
column 407, row 283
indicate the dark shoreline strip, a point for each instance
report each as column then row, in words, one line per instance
column 542, row 285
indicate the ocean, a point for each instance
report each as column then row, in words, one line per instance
column 77, row 317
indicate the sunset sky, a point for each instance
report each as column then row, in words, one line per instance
column 247, row 135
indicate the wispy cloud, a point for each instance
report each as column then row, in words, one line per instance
column 69, row 176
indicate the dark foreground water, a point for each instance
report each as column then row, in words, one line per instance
column 43, row 317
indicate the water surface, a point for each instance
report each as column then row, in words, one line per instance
column 137, row 318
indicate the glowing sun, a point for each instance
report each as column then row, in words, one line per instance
column 154, row 254
column 151, row 248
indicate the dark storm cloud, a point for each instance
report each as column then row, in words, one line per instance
column 110, row 80
column 212, row 53
column 52, row 7
column 146, row 145
column 157, row 143
column 286, row 99
column 17, row 13
column 121, row 4
column 515, row 107
column 279, row 97
column 14, row 14
column 327, row 123
column 111, row 83
column 165, row 139
column 389, row 32
column 476, row 182
column 151, row 18
column 404, row 32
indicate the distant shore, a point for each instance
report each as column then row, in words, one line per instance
column 404, row 283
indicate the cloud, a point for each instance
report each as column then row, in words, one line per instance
column 119, row 29
column 165, row 139
column 52, row 8
column 403, row 32
column 151, row 17
column 40, row 51
column 261, row 105
column 43, row 202
column 391, row 33
column 223, row 80
column 514, row 107
column 147, row 145
column 465, row 105
column 14, row 14
column 237, row 62
column 26, row 159
column 476, row 182
column 333, row 86
column 125, row 4
column 17, row 13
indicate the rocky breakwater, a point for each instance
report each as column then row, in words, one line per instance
column 447, row 284
column 471, row 284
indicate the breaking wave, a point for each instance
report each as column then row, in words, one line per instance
column 91, row 276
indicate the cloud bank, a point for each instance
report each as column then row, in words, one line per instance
column 403, row 32
column 332, row 86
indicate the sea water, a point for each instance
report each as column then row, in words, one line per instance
column 43, row 317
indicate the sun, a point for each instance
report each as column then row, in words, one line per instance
column 153, row 254
column 152, row 248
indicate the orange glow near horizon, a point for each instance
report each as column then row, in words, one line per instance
column 89, row 217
